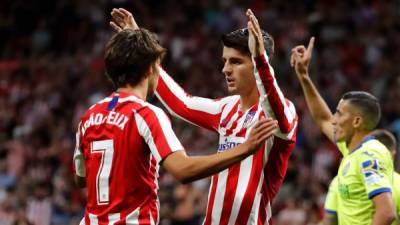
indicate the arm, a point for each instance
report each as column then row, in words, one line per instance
column 376, row 171
column 330, row 216
column 271, row 97
column 188, row 169
column 319, row 110
column 330, row 219
column 154, row 126
column 384, row 209
column 79, row 163
column 202, row 112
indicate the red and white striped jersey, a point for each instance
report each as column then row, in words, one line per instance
column 242, row 193
column 120, row 142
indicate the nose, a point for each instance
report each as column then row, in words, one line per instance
column 227, row 70
column 333, row 120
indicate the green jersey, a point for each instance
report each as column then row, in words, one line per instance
column 396, row 194
column 363, row 174
column 331, row 200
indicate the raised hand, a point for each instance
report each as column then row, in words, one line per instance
column 256, row 42
column 122, row 19
column 263, row 130
column 301, row 57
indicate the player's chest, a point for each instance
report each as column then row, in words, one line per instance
column 349, row 183
column 238, row 124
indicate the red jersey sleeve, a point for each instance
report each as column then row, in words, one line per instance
column 199, row 111
column 155, row 128
column 272, row 99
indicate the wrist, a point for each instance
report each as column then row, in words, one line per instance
column 245, row 148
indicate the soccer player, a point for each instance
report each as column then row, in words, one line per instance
column 122, row 139
column 242, row 193
column 331, row 204
column 365, row 174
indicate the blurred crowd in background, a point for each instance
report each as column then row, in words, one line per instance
column 51, row 71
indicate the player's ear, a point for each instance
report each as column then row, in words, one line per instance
column 149, row 72
column 358, row 122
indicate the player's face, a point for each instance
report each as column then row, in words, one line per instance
column 342, row 122
column 238, row 71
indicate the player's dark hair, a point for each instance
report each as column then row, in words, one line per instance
column 129, row 54
column 238, row 39
column 368, row 105
column 386, row 138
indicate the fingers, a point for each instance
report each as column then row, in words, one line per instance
column 265, row 124
column 118, row 18
column 310, row 45
column 118, row 14
column 115, row 27
column 266, row 134
column 299, row 49
column 125, row 12
column 292, row 60
column 265, row 129
column 254, row 21
column 251, row 29
column 297, row 58
column 124, row 19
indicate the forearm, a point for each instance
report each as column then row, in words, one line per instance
column 316, row 104
column 203, row 166
column 329, row 221
column 319, row 110
column 271, row 97
column 382, row 218
column 384, row 209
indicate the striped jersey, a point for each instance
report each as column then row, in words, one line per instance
column 120, row 142
column 242, row 193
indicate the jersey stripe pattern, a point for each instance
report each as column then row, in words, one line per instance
column 242, row 193
column 120, row 142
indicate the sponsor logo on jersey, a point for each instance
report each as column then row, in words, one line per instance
column 370, row 170
column 227, row 145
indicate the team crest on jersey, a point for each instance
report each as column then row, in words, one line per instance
column 249, row 118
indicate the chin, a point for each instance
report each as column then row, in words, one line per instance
column 232, row 91
column 338, row 138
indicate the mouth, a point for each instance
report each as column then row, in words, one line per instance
column 230, row 82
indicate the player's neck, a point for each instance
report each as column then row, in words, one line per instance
column 140, row 90
column 247, row 101
column 356, row 140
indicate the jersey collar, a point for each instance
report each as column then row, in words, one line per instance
column 366, row 139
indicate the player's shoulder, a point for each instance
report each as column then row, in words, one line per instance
column 375, row 148
column 148, row 111
column 231, row 99
column 96, row 107
column 334, row 181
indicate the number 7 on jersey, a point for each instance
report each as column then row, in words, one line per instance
column 106, row 149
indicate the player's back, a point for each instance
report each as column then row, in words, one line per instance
column 121, row 172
